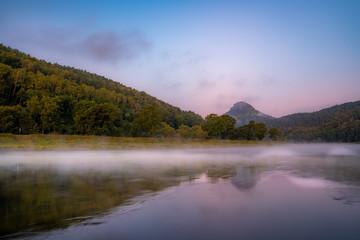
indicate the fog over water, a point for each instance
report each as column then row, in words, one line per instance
column 292, row 191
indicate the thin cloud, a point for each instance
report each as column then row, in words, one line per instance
column 107, row 47
column 113, row 47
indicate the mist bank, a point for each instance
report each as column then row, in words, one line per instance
column 39, row 187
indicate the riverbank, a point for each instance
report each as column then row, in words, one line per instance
column 48, row 142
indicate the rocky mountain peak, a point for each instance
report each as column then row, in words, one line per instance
column 244, row 112
column 242, row 107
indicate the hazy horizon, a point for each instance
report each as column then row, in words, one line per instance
column 281, row 57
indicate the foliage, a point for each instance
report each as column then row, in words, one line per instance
column 261, row 131
column 166, row 131
column 148, row 121
column 13, row 119
column 252, row 131
column 219, row 126
column 99, row 119
column 184, row 131
column 198, row 132
column 224, row 127
column 340, row 123
column 274, row 134
column 65, row 100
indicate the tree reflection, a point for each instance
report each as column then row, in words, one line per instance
column 247, row 177
column 46, row 198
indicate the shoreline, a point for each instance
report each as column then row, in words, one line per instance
column 85, row 142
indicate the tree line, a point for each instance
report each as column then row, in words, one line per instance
column 340, row 123
column 40, row 97
column 223, row 127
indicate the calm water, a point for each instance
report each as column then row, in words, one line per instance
column 275, row 192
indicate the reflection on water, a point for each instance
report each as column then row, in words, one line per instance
column 292, row 191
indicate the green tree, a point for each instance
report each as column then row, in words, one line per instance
column 40, row 87
column 229, row 123
column 274, row 134
column 14, row 119
column 242, row 132
column 251, row 131
column 214, row 126
column 261, row 131
column 198, row 132
column 43, row 112
column 166, row 130
column 100, row 119
column 5, row 83
column 48, row 108
column 184, row 131
column 148, row 121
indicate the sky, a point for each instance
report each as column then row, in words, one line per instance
column 280, row 56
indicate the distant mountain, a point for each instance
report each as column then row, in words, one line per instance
column 340, row 123
column 244, row 112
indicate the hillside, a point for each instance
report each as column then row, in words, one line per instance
column 244, row 113
column 40, row 97
column 340, row 123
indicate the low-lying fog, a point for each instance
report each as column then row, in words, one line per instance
column 310, row 190
column 120, row 159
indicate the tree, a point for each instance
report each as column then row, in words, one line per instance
column 274, row 134
column 48, row 107
column 198, row 132
column 166, row 130
column 148, row 121
column 100, row 119
column 219, row 126
column 214, row 125
column 5, row 83
column 261, row 131
column 251, row 131
column 54, row 97
column 229, row 123
column 242, row 132
column 14, row 119
column 43, row 112
column 184, row 131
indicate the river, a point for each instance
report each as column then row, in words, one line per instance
column 293, row 191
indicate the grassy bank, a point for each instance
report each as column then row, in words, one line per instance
column 39, row 142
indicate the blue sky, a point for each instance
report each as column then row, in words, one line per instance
column 280, row 56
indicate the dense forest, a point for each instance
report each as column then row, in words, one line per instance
column 40, row 97
column 340, row 123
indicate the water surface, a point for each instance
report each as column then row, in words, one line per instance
column 297, row 191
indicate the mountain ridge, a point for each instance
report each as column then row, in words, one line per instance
column 340, row 122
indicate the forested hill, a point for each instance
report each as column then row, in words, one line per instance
column 340, row 123
column 40, row 97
